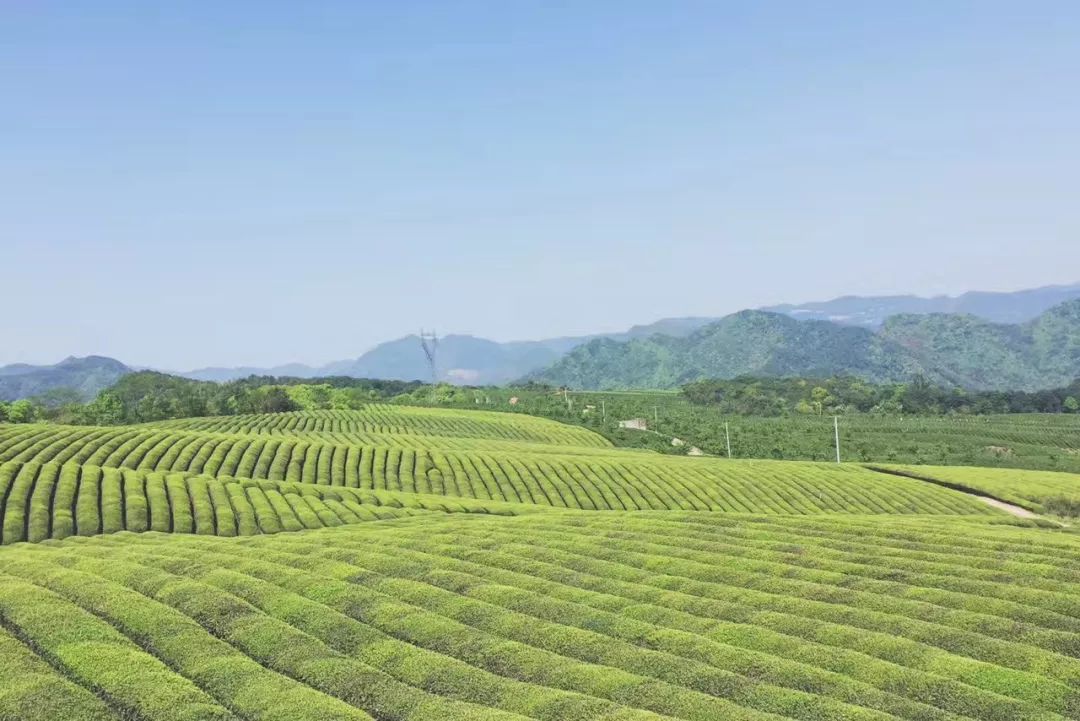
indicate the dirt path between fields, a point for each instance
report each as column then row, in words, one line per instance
column 989, row 500
column 1007, row 507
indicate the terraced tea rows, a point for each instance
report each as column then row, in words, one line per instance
column 50, row 501
column 382, row 420
column 553, row 616
column 414, row 442
column 389, row 440
column 1039, row 491
column 608, row 480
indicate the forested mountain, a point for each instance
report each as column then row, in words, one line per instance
column 973, row 353
column 467, row 359
column 464, row 359
column 750, row 342
column 86, row 376
column 958, row 350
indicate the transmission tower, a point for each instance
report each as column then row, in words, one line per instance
column 429, row 341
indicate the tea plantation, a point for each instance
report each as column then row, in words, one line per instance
column 1046, row 492
column 399, row 563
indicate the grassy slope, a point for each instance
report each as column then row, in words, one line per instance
column 558, row 615
column 382, row 419
column 433, row 597
column 1039, row 491
column 606, row 480
column 43, row 501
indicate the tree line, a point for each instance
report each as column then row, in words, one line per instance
column 845, row 394
column 150, row 396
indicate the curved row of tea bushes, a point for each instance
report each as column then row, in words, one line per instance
column 414, row 441
column 1039, row 491
column 553, row 616
column 382, row 419
column 51, row 501
column 607, row 481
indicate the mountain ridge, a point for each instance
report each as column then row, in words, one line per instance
column 951, row 349
column 461, row 359
column 467, row 359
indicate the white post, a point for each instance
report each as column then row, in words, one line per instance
column 727, row 434
column 836, row 430
column 656, row 416
column 603, row 408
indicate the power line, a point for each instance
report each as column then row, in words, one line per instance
column 429, row 341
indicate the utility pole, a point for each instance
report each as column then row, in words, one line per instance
column 727, row 435
column 603, row 409
column 656, row 416
column 836, row 430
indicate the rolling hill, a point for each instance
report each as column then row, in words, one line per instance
column 324, row 565
column 958, row 350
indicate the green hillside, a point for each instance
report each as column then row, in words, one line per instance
column 407, row 564
column 380, row 421
column 1039, row 491
column 84, row 377
column 604, row 480
column 959, row 350
column 690, row 616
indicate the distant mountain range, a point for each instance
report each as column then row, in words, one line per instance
column 463, row 359
column 988, row 350
column 950, row 349
column 871, row 312
column 476, row 361
column 87, row 376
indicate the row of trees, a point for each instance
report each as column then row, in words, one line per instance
column 828, row 396
column 149, row 396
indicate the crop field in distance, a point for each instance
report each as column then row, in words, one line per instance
column 1039, row 441
column 416, row 564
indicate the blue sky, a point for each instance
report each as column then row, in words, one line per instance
column 185, row 184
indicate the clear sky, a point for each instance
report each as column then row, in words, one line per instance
column 197, row 183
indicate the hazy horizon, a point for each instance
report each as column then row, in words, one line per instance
column 407, row 334
column 259, row 184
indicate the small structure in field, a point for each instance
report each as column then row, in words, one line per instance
column 635, row 424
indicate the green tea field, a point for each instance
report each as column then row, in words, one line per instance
column 410, row 564
column 1046, row 492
